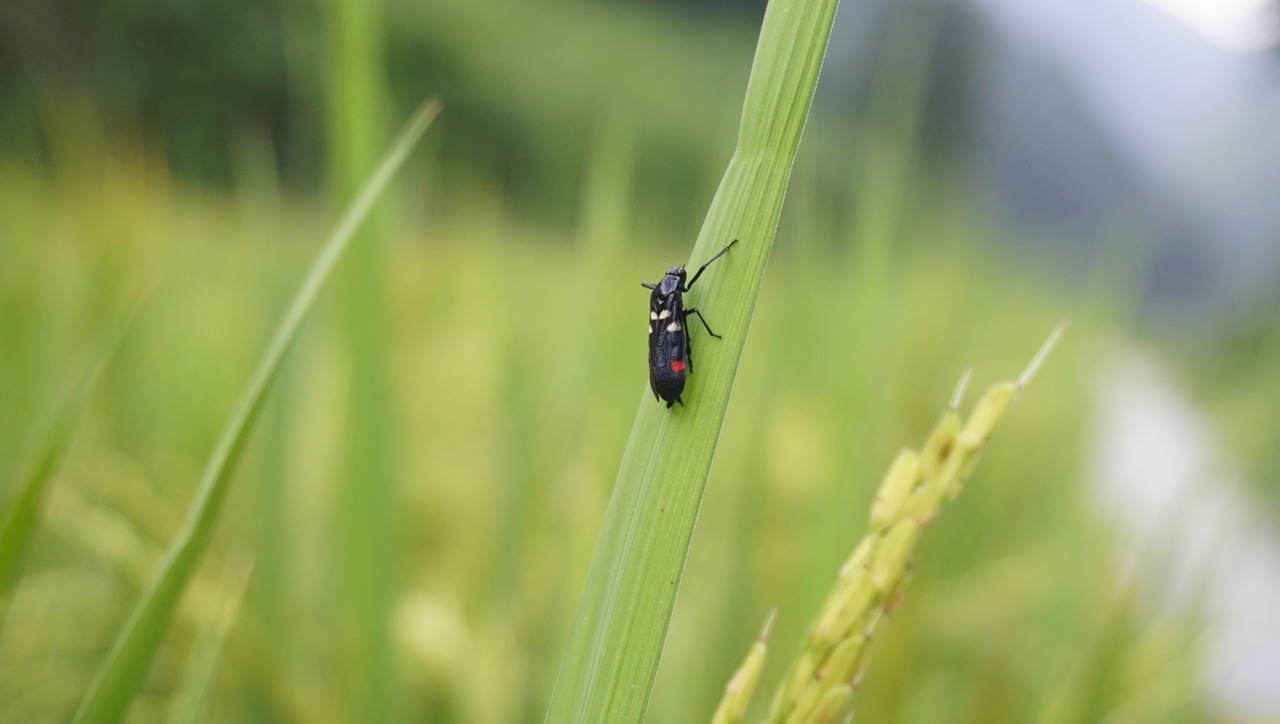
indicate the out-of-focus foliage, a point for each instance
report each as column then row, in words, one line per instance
column 511, row 420
column 191, row 75
column 199, row 79
column 517, row 361
column 1237, row 371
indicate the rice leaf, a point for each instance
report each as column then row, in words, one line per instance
column 617, row 636
column 208, row 651
column 122, row 673
column 24, row 511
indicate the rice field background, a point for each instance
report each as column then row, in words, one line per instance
column 408, row 533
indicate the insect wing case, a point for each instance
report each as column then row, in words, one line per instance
column 667, row 343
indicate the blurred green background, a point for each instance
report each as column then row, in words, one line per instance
column 416, row 515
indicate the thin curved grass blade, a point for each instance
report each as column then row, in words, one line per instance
column 192, row 702
column 24, row 512
column 122, row 673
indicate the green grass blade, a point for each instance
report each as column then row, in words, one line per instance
column 191, row 702
column 126, row 665
column 365, row 551
column 617, row 636
column 23, row 513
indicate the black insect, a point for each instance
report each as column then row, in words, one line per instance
column 670, row 353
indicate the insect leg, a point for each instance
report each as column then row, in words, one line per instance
column 704, row 266
column 688, row 347
column 687, row 312
column 647, row 285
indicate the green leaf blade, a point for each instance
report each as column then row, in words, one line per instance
column 126, row 666
column 616, row 641
column 25, row 509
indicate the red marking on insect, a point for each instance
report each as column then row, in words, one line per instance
column 677, row 365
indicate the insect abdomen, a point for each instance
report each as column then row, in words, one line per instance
column 667, row 358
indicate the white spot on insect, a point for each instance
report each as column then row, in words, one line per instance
column 650, row 329
column 665, row 313
column 653, row 315
column 673, row 327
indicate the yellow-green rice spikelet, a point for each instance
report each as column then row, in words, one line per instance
column 856, row 560
column 897, row 485
column 987, row 414
column 802, row 672
column 840, row 615
column 832, row 706
column 820, row 684
column 843, row 662
column 891, row 560
column 737, row 693
column 940, row 446
column 808, row 702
